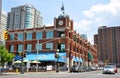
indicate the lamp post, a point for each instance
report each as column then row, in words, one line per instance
column 22, row 69
column 37, row 56
column 57, row 56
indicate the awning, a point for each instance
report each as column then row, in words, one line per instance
column 17, row 57
column 46, row 56
column 77, row 59
column 80, row 59
column 62, row 57
column 90, row 56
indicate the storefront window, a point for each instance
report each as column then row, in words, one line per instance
column 20, row 48
column 49, row 46
column 29, row 47
column 38, row 46
column 11, row 48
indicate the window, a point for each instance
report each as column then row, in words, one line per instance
column 38, row 46
column 62, row 47
column 11, row 48
column 49, row 34
column 20, row 36
column 49, row 46
column 29, row 36
column 60, row 34
column 39, row 35
column 29, row 47
column 20, row 48
column 12, row 37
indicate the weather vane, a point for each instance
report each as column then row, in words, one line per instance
column 62, row 8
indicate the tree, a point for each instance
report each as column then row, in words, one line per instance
column 5, row 56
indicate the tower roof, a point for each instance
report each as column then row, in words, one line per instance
column 63, row 15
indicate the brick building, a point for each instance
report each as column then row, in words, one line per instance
column 108, row 41
column 43, row 42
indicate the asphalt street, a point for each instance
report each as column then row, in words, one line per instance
column 92, row 74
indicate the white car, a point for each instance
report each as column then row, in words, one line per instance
column 109, row 69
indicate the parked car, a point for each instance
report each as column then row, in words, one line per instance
column 92, row 68
column 84, row 68
column 2, row 70
column 109, row 69
column 76, row 68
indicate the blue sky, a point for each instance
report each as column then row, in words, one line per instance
column 87, row 15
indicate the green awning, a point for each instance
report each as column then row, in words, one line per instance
column 90, row 56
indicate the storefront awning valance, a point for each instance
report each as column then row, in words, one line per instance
column 77, row 59
column 17, row 57
column 90, row 56
column 46, row 56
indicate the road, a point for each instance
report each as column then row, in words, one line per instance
column 92, row 74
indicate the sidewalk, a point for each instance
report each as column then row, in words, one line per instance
column 47, row 72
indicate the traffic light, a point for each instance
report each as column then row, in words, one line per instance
column 59, row 45
column 5, row 34
column 21, row 54
column 24, row 55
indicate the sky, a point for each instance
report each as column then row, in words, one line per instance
column 87, row 15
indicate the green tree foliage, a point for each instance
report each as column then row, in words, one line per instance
column 5, row 55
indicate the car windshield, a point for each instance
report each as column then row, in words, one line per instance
column 109, row 66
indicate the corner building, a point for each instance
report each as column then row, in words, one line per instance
column 44, row 41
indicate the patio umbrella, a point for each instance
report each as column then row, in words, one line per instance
column 25, row 60
column 18, row 61
column 35, row 61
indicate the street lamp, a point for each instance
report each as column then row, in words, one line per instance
column 57, row 56
column 37, row 56
column 22, row 69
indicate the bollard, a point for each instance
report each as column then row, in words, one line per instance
column 16, row 70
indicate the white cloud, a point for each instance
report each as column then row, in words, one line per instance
column 112, row 7
column 49, row 24
column 82, row 25
column 99, row 15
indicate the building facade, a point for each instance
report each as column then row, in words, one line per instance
column 3, row 25
column 42, row 44
column 108, row 39
column 25, row 16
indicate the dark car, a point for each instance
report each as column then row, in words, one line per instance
column 86, row 68
column 76, row 68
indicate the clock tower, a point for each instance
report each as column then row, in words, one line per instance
column 63, row 20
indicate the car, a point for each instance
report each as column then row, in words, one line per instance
column 92, row 68
column 109, row 69
column 84, row 68
column 116, row 68
column 2, row 70
column 76, row 68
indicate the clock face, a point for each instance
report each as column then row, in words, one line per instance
column 60, row 22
